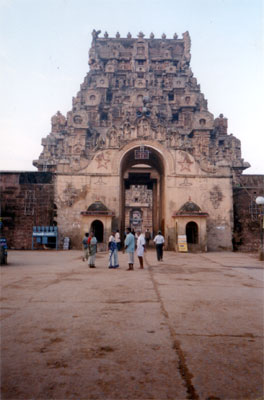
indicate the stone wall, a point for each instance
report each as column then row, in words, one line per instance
column 246, row 213
column 26, row 201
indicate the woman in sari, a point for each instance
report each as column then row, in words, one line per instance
column 113, row 254
column 92, row 247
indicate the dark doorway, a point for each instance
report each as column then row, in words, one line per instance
column 192, row 233
column 98, row 228
column 143, row 166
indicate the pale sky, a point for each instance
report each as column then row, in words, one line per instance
column 44, row 58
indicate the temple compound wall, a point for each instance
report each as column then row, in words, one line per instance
column 247, row 215
column 27, row 200
column 140, row 147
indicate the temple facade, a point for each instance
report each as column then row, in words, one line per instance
column 140, row 148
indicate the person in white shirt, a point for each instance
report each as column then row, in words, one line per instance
column 113, row 254
column 159, row 242
column 118, row 240
column 141, row 243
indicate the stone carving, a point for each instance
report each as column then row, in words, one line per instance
column 187, row 45
column 113, row 137
column 71, row 195
column 127, row 130
column 100, row 181
column 102, row 160
column 95, row 34
column 111, row 66
column 58, row 122
column 109, row 110
column 143, row 129
column 216, row 196
column 207, row 166
column 160, row 132
column 186, row 182
column 186, row 162
column 220, row 125
column 77, row 148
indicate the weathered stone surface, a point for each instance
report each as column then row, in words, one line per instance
column 247, row 215
column 28, row 202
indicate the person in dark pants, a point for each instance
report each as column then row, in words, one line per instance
column 159, row 242
column 147, row 237
column 85, row 246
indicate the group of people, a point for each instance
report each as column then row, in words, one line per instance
column 139, row 241
column 89, row 243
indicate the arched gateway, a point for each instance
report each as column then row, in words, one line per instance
column 141, row 147
column 142, row 173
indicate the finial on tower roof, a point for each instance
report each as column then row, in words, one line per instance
column 151, row 35
column 141, row 35
column 95, row 34
column 106, row 35
column 129, row 36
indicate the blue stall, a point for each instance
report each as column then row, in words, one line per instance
column 42, row 234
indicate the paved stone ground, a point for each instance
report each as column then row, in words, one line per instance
column 190, row 327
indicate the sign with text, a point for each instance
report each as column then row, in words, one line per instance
column 182, row 243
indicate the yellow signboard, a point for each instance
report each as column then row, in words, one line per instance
column 182, row 243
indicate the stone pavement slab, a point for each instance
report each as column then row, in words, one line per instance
column 190, row 327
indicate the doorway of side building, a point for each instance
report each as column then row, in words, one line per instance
column 192, row 233
column 98, row 228
column 142, row 190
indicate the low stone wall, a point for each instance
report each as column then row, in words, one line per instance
column 26, row 201
column 247, row 219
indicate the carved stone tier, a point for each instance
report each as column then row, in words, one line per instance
column 139, row 88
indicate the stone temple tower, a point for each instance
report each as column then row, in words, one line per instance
column 139, row 147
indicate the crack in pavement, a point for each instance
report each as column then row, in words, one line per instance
column 229, row 266
column 245, row 335
column 182, row 364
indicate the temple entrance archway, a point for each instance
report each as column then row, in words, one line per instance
column 142, row 189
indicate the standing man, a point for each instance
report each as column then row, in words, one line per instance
column 141, row 248
column 147, row 237
column 159, row 242
column 92, row 248
column 113, row 255
column 130, row 248
column 85, row 246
